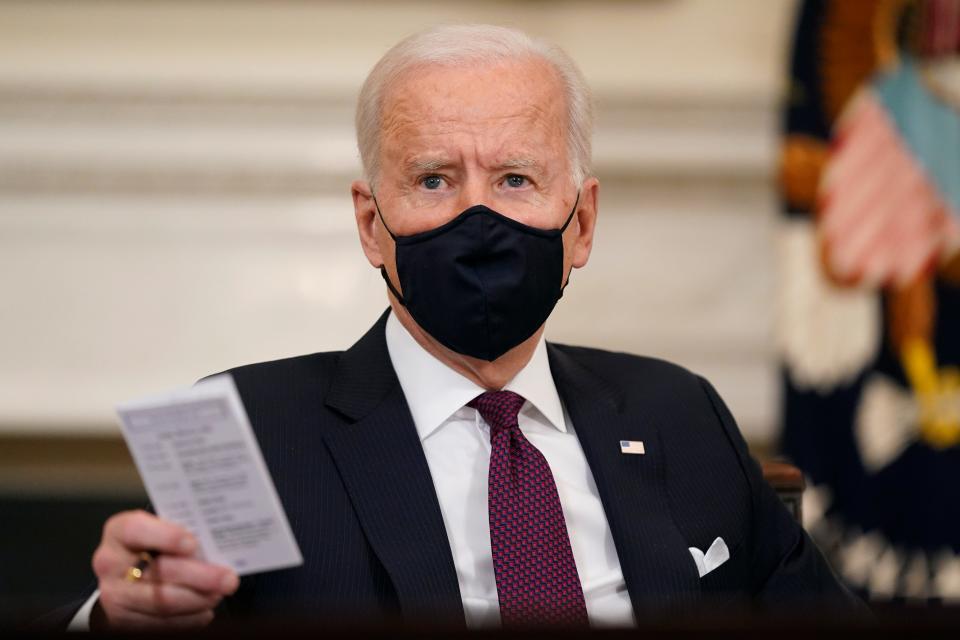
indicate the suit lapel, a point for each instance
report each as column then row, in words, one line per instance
column 381, row 461
column 657, row 568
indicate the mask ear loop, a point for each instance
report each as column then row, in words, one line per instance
column 380, row 213
column 564, row 228
column 569, row 217
column 383, row 268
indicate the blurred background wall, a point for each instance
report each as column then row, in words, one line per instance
column 174, row 201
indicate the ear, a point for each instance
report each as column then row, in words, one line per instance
column 586, row 221
column 365, row 212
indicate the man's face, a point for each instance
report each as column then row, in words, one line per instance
column 455, row 137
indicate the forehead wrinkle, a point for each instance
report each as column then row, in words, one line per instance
column 462, row 116
column 413, row 116
column 413, row 112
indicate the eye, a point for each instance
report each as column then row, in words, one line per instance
column 515, row 181
column 432, row 182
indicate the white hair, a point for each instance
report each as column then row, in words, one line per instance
column 464, row 45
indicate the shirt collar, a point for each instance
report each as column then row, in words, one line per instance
column 434, row 391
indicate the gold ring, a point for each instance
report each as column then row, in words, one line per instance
column 135, row 572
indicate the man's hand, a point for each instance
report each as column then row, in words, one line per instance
column 176, row 590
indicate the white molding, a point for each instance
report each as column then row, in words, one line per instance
column 222, row 142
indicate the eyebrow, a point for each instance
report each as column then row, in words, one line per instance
column 425, row 165
column 519, row 163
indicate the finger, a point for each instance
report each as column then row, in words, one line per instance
column 156, row 599
column 124, row 619
column 141, row 531
column 110, row 563
column 111, row 560
column 194, row 574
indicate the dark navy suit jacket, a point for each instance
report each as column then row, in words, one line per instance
column 349, row 467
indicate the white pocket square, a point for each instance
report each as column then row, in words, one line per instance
column 715, row 556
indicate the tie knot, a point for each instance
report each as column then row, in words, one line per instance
column 499, row 408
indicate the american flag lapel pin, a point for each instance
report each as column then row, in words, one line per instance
column 632, row 446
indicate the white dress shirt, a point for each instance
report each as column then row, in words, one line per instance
column 456, row 441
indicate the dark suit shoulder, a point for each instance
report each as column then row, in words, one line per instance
column 631, row 372
column 262, row 377
column 312, row 366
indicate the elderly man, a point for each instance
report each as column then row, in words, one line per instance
column 451, row 466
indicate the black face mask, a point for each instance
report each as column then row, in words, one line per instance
column 482, row 283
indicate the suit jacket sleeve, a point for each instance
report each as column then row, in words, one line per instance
column 61, row 617
column 786, row 568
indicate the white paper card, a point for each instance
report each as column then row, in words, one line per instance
column 203, row 469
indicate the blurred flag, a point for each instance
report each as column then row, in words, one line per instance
column 869, row 303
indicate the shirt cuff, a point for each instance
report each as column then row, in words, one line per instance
column 81, row 621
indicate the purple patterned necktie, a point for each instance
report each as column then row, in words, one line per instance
column 537, row 579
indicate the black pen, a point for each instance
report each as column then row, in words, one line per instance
column 135, row 572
